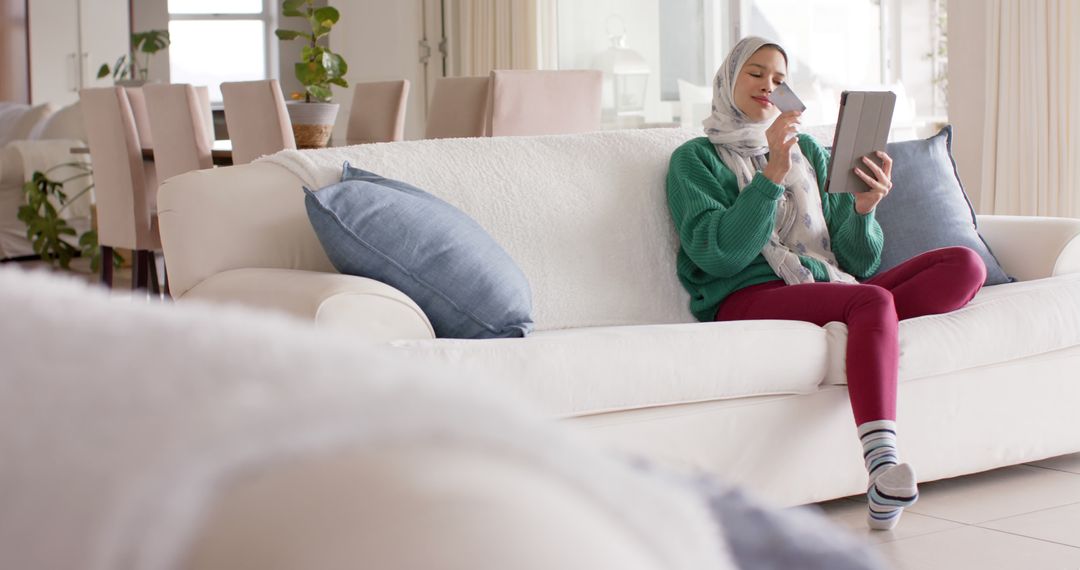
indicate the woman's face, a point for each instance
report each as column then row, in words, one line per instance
column 762, row 73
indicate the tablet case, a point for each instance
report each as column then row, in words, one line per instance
column 861, row 129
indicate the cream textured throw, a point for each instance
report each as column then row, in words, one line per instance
column 800, row 228
column 113, row 453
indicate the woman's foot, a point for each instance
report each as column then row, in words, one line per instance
column 893, row 489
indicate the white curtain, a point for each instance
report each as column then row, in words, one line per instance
column 1031, row 152
column 498, row 34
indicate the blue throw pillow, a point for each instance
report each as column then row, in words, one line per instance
column 927, row 207
column 395, row 233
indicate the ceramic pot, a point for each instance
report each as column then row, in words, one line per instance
column 312, row 123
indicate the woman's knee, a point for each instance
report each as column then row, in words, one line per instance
column 969, row 262
column 874, row 297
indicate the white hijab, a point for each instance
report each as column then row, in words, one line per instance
column 800, row 227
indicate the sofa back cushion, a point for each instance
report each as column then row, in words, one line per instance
column 584, row 216
column 927, row 208
column 18, row 120
column 403, row 236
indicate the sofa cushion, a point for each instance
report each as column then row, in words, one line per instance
column 17, row 121
column 927, row 207
column 591, row 370
column 394, row 232
column 1004, row 323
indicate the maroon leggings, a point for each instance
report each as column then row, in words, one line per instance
column 935, row 282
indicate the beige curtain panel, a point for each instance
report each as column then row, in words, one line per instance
column 1031, row 153
column 498, row 34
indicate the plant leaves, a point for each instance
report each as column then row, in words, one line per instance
column 292, row 7
column 286, row 35
column 327, row 14
column 320, row 92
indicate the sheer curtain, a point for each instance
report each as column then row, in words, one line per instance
column 1031, row 152
column 498, row 34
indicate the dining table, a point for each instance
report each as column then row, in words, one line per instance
column 220, row 152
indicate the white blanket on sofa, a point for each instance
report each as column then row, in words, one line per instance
column 111, row 458
column 541, row 216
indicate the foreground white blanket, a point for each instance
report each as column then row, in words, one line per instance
column 112, row 452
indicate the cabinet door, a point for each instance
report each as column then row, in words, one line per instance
column 104, row 35
column 54, row 51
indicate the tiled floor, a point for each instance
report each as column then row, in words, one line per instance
column 1022, row 517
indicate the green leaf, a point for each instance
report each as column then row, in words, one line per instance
column 310, row 73
column 340, row 82
column 335, row 65
column 103, row 71
column 327, row 14
column 286, row 35
column 320, row 92
column 152, row 41
column 309, row 53
column 292, row 7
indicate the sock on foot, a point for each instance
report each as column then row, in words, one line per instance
column 892, row 486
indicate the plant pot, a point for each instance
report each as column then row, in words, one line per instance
column 312, row 123
column 130, row 82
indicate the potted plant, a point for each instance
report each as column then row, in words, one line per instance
column 318, row 69
column 128, row 70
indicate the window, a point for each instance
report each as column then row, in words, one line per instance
column 221, row 40
column 834, row 44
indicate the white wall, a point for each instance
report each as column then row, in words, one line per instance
column 967, row 89
column 153, row 15
column 380, row 42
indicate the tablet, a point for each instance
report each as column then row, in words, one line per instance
column 861, row 129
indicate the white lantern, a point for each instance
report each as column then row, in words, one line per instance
column 626, row 75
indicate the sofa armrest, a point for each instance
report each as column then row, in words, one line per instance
column 359, row 305
column 1030, row 247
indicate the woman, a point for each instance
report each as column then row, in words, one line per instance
column 760, row 240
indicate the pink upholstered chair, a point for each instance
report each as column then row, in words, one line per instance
column 126, row 202
column 544, row 102
column 178, row 110
column 458, row 108
column 137, row 99
column 257, row 119
column 378, row 112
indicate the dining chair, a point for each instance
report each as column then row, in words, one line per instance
column 179, row 111
column 137, row 99
column 377, row 113
column 257, row 119
column 126, row 200
column 545, row 102
column 458, row 108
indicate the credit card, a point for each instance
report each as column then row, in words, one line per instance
column 786, row 100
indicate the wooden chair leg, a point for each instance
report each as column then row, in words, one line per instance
column 155, row 287
column 106, row 266
column 165, row 270
column 139, row 270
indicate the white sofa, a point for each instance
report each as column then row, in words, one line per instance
column 616, row 349
column 36, row 138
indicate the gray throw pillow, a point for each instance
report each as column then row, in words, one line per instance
column 927, row 207
column 393, row 232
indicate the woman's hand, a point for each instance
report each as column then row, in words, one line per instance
column 782, row 135
column 879, row 185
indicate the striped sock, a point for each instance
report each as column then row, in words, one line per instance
column 892, row 487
